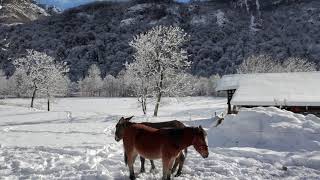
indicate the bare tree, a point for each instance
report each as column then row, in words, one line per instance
column 159, row 56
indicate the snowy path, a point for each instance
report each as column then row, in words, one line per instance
column 36, row 144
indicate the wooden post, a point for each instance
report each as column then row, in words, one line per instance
column 230, row 94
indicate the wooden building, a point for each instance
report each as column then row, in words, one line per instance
column 298, row 91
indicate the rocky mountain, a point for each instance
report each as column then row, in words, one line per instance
column 20, row 11
column 223, row 33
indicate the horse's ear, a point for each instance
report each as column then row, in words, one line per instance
column 121, row 120
column 129, row 118
column 202, row 130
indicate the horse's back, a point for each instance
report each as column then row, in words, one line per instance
column 167, row 124
column 136, row 129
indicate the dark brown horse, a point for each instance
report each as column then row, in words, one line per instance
column 165, row 144
column 123, row 123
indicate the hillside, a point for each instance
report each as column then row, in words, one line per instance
column 223, row 33
column 20, row 11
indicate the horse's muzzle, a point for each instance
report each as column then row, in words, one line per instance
column 205, row 155
column 117, row 139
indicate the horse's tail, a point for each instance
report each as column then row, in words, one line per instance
column 185, row 152
column 125, row 159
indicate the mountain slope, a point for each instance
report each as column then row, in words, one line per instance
column 222, row 34
column 19, row 11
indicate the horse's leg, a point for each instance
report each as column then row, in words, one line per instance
column 131, row 158
column 176, row 162
column 166, row 167
column 181, row 162
column 153, row 167
column 142, row 170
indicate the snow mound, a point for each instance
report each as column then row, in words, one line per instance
column 268, row 128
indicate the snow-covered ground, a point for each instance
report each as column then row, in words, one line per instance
column 76, row 140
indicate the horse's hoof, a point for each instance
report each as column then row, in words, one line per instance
column 178, row 174
column 132, row 177
column 167, row 178
column 152, row 170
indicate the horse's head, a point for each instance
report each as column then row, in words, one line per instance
column 121, row 125
column 199, row 141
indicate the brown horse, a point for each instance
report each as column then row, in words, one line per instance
column 165, row 144
column 123, row 123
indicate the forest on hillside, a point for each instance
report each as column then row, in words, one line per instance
column 222, row 34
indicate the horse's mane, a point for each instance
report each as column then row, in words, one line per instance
column 176, row 134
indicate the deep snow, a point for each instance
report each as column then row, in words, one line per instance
column 76, row 140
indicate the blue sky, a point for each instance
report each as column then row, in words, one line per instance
column 65, row 4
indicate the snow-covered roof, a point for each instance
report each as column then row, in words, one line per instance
column 228, row 82
column 274, row 89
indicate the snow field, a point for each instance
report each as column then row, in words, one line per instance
column 76, row 140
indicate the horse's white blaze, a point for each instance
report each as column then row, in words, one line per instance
column 206, row 139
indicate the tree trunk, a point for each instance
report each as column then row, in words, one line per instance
column 158, row 96
column 143, row 102
column 143, row 106
column 33, row 96
column 48, row 104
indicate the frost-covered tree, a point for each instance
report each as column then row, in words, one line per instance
column 159, row 56
column 14, row 86
column 257, row 64
column 92, row 84
column 56, row 85
column 265, row 64
column 3, row 84
column 111, row 86
column 45, row 75
column 294, row 64
column 20, row 84
column 140, row 77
